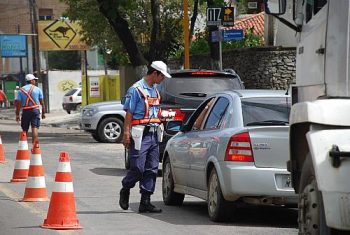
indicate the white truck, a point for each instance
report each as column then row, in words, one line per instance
column 320, row 116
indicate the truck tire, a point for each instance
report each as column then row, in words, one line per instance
column 218, row 207
column 110, row 130
column 312, row 219
column 170, row 197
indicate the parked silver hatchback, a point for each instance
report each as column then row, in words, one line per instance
column 233, row 148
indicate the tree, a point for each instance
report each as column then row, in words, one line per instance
column 138, row 31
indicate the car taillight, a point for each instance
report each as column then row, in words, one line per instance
column 71, row 98
column 239, row 148
column 203, row 73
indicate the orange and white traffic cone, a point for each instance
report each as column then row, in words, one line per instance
column 2, row 155
column 20, row 173
column 36, row 188
column 62, row 213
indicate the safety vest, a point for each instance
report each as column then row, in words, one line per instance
column 149, row 101
column 29, row 98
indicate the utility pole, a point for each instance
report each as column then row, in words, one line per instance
column 36, row 56
column 186, row 36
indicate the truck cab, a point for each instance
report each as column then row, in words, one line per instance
column 320, row 124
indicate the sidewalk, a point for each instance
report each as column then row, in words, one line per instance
column 53, row 119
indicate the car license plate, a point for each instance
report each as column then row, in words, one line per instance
column 283, row 181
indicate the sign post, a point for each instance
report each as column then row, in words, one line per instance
column 220, row 16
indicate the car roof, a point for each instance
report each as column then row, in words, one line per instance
column 253, row 93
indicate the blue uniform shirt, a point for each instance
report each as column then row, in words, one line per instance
column 37, row 95
column 135, row 103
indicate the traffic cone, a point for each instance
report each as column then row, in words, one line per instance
column 62, row 214
column 36, row 188
column 2, row 155
column 20, row 173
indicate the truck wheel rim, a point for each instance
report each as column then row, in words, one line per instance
column 309, row 208
column 213, row 193
column 112, row 130
column 166, row 180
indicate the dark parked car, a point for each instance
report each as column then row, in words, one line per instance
column 186, row 90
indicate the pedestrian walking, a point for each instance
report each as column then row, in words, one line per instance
column 29, row 99
column 3, row 99
column 142, row 133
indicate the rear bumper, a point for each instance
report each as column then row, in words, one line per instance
column 239, row 179
column 69, row 106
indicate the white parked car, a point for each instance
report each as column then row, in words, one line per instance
column 237, row 153
column 72, row 100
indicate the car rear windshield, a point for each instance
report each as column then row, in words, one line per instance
column 265, row 111
column 208, row 85
column 71, row 92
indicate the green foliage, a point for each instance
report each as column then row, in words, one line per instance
column 201, row 46
column 242, row 6
column 64, row 60
column 98, row 32
column 95, row 29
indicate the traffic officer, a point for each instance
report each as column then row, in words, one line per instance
column 141, row 124
column 29, row 97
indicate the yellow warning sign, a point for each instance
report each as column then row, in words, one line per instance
column 59, row 35
column 228, row 19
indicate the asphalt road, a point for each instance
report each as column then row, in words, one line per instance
column 97, row 172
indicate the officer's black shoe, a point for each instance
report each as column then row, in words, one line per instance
column 146, row 206
column 124, row 198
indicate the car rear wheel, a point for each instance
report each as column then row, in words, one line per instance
column 170, row 197
column 110, row 130
column 78, row 108
column 217, row 205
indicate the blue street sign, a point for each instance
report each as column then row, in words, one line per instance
column 13, row 45
column 233, row 35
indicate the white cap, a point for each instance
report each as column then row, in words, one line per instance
column 30, row 77
column 161, row 67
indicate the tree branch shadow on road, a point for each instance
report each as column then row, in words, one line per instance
column 108, row 171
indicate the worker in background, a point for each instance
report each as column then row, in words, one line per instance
column 30, row 97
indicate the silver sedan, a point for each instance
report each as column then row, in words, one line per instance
column 233, row 148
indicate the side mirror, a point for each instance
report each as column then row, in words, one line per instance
column 275, row 7
column 174, row 127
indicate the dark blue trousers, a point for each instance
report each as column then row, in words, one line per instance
column 143, row 164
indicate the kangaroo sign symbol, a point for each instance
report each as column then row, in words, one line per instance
column 59, row 35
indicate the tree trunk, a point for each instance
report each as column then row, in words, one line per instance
column 155, row 30
column 193, row 19
column 110, row 10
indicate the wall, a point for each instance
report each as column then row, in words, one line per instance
column 260, row 68
column 60, row 82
